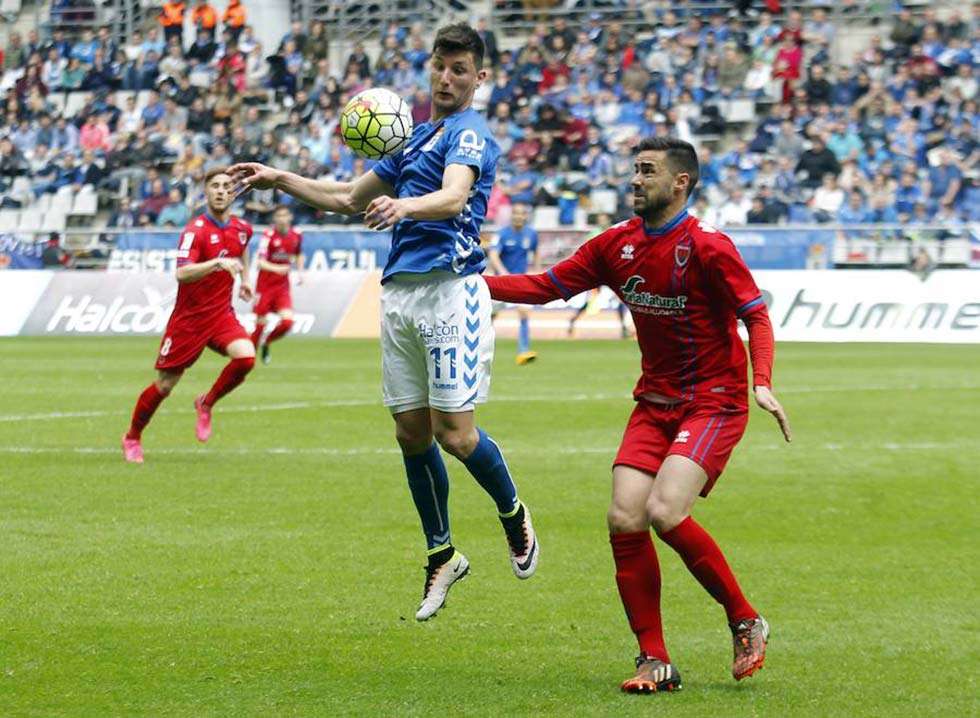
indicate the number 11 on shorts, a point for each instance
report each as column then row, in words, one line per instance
column 450, row 354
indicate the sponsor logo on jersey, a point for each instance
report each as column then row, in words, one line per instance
column 650, row 303
column 470, row 145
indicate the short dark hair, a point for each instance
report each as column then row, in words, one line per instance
column 214, row 172
column 460, row 37
column 681, row 156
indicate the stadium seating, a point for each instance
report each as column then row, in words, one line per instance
column 872, row 84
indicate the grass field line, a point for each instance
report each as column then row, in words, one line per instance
column 374, row 451
column 554, row 397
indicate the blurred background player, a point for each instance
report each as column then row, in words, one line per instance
column 436, row 334
column 282, row 245
column 210, row 255
column 686, row 286
column 515, row 252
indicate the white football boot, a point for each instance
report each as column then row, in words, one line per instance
column 523, row 545
column 438, row 581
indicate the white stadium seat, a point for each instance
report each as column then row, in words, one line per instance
column 86, row 203
column 9, row 219
column 42, row 204
column 55, row 220
column 546, row 218
column 30, row 220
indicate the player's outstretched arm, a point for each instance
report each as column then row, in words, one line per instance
column 761, row 349
column 446, row 202
column 570, row 276
column 340, row 197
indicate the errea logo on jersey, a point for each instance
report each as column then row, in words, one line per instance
column 627, row 252
column 682, row 437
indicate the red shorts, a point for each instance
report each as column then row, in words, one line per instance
column 273, row 300
column 183, row 343
column 704, row 434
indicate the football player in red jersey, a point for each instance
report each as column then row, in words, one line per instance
column 210, row 254
column 686, row 286
column 281, row 245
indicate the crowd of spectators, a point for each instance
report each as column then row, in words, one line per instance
column 888, row 135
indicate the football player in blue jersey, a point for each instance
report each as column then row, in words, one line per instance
column 516, row 252
column 436, row 334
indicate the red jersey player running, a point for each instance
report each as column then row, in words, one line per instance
column 281, row 245
column 686, row 286
column 209, row 257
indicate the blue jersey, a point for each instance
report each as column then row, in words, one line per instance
column 453, row 244
column 514, row 246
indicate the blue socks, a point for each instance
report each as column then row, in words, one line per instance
column 488, row 467
column 524, row 336
column 429, row 484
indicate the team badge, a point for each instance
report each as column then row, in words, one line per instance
column 682, row 253
column 243, row 237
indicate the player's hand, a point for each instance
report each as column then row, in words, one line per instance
column 245, row 293
column 384, row 212
column 252, row 175
column 231, row 265
column 764, row 398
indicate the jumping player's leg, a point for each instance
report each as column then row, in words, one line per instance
column 457, row 433
column 405, row 387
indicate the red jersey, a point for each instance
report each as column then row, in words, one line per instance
column 685, row 284
column 209, row 298
column 277, row 249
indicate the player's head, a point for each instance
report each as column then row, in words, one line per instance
column 518, row 215
column 218, row 190
column 456, row 68
column 282, row 218
column 665, row 173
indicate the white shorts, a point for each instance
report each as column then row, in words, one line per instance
column 436, row 342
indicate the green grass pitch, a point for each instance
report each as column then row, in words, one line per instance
column 275, row 572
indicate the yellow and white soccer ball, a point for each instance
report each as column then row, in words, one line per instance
column 376, row 123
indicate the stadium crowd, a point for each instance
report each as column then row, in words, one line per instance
column 888, row 135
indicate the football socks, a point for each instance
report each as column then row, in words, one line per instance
column 231, row 376
column 638, row 580
column 706, row 562
column 429, row 484
column 488, row 467
column 147, row 403
column 282, row 328
column 524, row 336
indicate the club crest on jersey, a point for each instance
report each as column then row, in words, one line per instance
column 682, row 253
column 649, row 303
column 433, row 140
column 243, row 237
column 627, row 252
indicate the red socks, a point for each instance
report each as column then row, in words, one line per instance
column 638, row 579
column 257, row 334
column 148, row 402
column 705, row 560
column 231, row 376
column 281, row 329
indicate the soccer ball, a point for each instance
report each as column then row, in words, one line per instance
column 375, row 123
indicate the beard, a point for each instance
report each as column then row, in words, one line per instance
column 650, row 207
